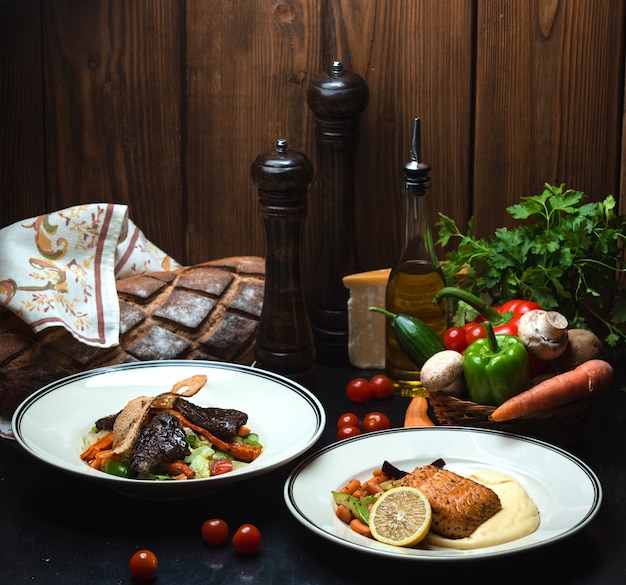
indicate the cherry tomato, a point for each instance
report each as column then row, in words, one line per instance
column 375, row 421
column 247, row 539
column 382, row 386
column 348, row 419
column 454, row 338
column 143, row 565
column 473, row 331
column 219, row 466
column 359, row 391
column 348, row 431
column 215, row 531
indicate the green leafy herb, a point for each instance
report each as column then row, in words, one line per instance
column 567, row 255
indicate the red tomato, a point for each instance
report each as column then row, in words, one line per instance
column 247, row 539
column 359, row 391
column 215, row 531
column 348, row 419
column 518, row 306
column 348, row 431
column 382, row 386
column 375, row 421
column 473, row 331
column 454, row 338
column 143, row 565
column 219, row 466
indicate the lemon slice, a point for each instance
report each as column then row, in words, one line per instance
column 401, row 516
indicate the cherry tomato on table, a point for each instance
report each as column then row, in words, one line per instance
column 215, row 531
column 359, row 390
column 382, row 386
column 348, row 419
column 348, row 431
column 375, row 421
column 143, row 565
column 247, row 539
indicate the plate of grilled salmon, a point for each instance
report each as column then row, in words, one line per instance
column 173, row 429
column 480, row 483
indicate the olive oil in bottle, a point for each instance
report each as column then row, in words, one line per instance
column 417, row 276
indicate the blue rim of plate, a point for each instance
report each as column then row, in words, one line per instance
column 454, row 555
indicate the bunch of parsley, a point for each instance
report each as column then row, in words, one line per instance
column 567, row 255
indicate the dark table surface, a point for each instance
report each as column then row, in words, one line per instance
column 55, row 529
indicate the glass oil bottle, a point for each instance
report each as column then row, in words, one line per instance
column 417, row 276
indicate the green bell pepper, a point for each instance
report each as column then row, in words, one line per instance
column 495, row 368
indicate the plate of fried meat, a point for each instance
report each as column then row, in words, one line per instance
column 169, row 429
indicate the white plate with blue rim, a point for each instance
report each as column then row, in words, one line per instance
column 51, row 423
column 546, row 472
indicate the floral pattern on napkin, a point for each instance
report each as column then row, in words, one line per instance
column 59, row 269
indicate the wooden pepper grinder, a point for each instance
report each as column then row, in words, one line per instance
column 337, row 100
column 284, row 342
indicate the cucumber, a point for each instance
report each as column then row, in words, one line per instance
column 416, row 339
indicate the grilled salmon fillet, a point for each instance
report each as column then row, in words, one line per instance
column 459, row 505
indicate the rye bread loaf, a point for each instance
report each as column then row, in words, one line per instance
column 208, row 311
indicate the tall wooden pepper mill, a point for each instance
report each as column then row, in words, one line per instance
column 337, row 100
column 284, row 342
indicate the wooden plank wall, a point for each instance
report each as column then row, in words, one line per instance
column 163, row 105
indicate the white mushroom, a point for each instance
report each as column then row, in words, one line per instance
column 544, row 333
column 443, row 372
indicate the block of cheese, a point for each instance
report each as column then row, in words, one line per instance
column 366, row 329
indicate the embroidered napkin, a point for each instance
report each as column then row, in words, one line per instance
column 60, row 269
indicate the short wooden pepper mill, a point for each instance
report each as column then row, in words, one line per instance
column 284, row 342
column 337, row 100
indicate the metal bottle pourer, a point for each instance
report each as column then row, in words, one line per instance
column 416, row 172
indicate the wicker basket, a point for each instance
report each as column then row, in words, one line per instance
column 563, row 425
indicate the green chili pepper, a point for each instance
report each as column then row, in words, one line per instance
column 495, row 368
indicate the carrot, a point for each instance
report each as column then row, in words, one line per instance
column 178, row 470
column 371, row 487
column 239, row 450
column 243, row 431
column 359, row 492
column 350, row 486
column 360, row 527
column 417, row 413
column 343, row 513
column 101, row 444
column 588, row 379
column 99, row 461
